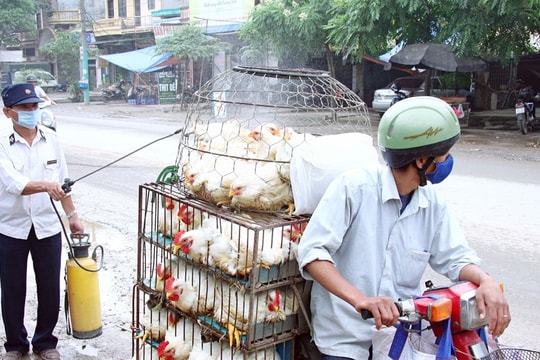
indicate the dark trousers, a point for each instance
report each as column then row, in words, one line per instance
column 46, row 257
column 328, row 357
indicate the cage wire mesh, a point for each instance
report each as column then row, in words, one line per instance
column 234, row 277
column 245, row 125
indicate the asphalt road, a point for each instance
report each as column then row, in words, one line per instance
column 493, row 191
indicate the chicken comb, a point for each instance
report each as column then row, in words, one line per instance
column 178, row 235
column 185, row 215
column 169, row 204
column 169, row 283
column 161, row 348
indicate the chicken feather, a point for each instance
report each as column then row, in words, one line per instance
column 192, row 293
column 261, row 187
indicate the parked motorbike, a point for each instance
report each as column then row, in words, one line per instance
column 48, row 119
column 452, row 314
column 136, row 93
column 114, row 92
column 526, row 111
column 400, row 95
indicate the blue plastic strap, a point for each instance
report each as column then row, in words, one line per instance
column 445, row 343
column 482, row 333
column 398, row 342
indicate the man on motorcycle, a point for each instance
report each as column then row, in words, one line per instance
column 32, row 79
column 373, row 234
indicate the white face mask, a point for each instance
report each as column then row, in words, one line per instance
column 28, row 119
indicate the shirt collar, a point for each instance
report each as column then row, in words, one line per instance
column 14, row 137
column 389, row 188
column 390, row 191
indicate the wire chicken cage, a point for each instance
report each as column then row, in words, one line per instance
column 245, row 125
column 217, row 243
column 233, row 280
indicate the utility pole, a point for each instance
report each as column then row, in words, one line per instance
column 84, row 55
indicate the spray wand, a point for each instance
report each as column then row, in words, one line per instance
column 68, row 183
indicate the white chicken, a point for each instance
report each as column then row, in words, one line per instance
column 232, row 309
column 262, row 188
column 189, row 217
column 146, row 352
column 233, row 249
column 268, row 137
column 210, row 178
column 167, row 221
column 285, row 149
column 224, row 254
column 196, row 242
column 156, row 320
column 272, row 249
column 180, row 341
column 163, row 271
column 228, row 137
column 176, row 216
column 217, row 351
column 192, row 293
column 293, row 234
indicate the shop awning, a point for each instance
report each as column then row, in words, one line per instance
column 139, row 61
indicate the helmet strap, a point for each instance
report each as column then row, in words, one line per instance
column 422, row 170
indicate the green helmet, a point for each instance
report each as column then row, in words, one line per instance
column 416, row 127
column 31, row 78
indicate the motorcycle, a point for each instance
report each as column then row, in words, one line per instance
column 400, row 95
column 136, row 93
column 114, row 92
column 48, row 119
column 526, row 111
column 454, row 319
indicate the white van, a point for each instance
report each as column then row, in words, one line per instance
column 45, row 79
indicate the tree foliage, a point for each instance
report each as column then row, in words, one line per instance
column 491, row 29
column 190, row 43
column 64, row 50
column 17, row 16
column 291, row 30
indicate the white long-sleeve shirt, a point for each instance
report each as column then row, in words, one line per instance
column 20, row 163
column 358, row 227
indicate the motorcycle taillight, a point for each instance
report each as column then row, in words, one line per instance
column 519, row 103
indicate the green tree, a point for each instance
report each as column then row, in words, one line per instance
column 189, row 43
column 491, row 29
column 289, row 30
column 64, row 50
column 17, row 16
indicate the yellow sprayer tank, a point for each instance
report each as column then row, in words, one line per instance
column 83, row 293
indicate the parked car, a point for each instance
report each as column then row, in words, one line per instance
column 411, row 86
column 45, row 79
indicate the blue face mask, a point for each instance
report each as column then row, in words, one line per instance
column 442, row 170
column 29, row 119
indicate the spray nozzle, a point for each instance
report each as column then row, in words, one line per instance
column 67, row 185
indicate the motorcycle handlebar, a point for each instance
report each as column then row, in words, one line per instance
column 404, row 307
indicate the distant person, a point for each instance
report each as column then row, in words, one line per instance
column 32, row 170
column 32, row 79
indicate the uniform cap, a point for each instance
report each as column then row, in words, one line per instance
column 18, row 94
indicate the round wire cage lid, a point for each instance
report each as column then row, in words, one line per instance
column 261, row 70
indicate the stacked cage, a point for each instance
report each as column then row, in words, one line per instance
column 217, row 276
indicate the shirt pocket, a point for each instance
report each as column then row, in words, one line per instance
column 410, row 267
column 52, row 169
